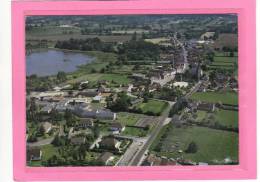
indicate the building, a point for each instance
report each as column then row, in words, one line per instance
column 153, row 160
column 109, row 143
column 88, row 93
column 47, row 127
column 105, row 114
column 85, row 123
column 97, row 99
column 207, row 35
column 210, row 107
column 105, row 158
column 117, row 127
column 47, row 109
column 34, row 154
column 78, row 140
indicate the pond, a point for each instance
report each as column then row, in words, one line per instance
column 50, row 62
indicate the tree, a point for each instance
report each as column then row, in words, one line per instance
column 68, row 116
column 96, row 131
column 231, row 54
column 41, row 131
column 122, row 103
column 192, row 148
column 134, row 37
column 61, row 76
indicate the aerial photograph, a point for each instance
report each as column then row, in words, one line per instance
column 132, row 90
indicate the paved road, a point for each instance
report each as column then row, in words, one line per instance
column 157, row 128
column 132, row 150
column 41, row 142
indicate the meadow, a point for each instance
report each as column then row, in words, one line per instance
column 215, row 97
column 213, row 146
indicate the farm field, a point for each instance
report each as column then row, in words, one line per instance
column 213, row 145
column 214, row 97
column 152, row 106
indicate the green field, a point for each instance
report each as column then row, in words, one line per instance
column 227, row 117
column 213, row 145
column 157, row 40
column 222, row 61
column 129, row 119
column 131, row 131
column 214, row 97
column 94, row 77
column 152, row 106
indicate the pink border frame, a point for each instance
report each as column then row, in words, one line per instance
column 247, row 82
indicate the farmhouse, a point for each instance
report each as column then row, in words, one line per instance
column 34, row 154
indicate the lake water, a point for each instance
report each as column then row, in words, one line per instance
column 50, row 62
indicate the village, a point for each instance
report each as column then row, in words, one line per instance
column 164, row 111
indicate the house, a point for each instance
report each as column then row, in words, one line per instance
column 47, row 109
column 103, row 82
column 103, row 89
column 78, row 140
column 117, row 127
column 105, row 158
column 85, row 123
column 97, row 99
column 207, row 35
column 109, row 143
column 210, row 107
column 88, row 93
column 47, row 127
column 34, row 154
column 193, row 106
column 153, row 160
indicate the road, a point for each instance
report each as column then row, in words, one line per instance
column 41, row 142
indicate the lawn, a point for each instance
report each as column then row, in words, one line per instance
column 157, row 40
column 214, row 97
column 224, row 62
column 213, row 145
column 132, row 131
column 227, row 117
column 154, row 107
column 48, row 151
column 94, row 77
column 129, row 119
